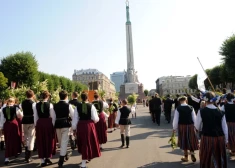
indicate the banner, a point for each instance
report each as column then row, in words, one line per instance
column 201, row 77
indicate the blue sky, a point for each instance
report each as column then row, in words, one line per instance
column 168, row 35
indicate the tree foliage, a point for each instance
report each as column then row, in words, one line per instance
column 3, row 81
column 21, row 68
column 132, row 98
column 193, row 82
column 146, row 92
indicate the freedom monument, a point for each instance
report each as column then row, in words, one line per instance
column 132, row 84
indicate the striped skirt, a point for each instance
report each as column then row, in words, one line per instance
column 231, row 136
column 187, row 137
column 213, row 152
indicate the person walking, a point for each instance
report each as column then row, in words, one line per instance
column 212, row 122
column 167, row 108
column 64, row 114
column 85, row 117
column 44, row 119
column 124, row 122
column 156, row 108
column 183, row 121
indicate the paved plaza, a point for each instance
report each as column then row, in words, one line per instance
column 149, row 149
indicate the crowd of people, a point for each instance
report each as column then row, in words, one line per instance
column 50, row 126
column 205, row 123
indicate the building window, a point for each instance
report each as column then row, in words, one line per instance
column 175, row 91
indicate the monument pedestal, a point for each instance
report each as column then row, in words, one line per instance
column 129, row 88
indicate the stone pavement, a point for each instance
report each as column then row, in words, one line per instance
column 149, row 149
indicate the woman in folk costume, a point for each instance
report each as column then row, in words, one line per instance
column 183, row 121
column 229, row 109
column 2, row 143
column 101, row 126
column 9, row 126
column 112, row 115
column 85, row 117
column 44, row 119
column 214, row 134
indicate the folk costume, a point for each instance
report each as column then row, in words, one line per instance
column 44, row 119
column 101, row 126
column 64, row 113
column 28, row 127
column 112, row 116
column 9, row 124
column 2, row 143
column 85, row 117
column 74, row 102
column 229, row 109
column 184, row 119
column 214, row 137
column 124, row 122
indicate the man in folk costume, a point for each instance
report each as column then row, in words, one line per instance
column 112, row 115
column 183, row 121
column 229, row 109
column 28, row 124
column 151, row 109
column 85, row 117
column 124, row 122
column 74, row 102
column 64, row 112
column 10, row 129
column 101, row 126
column 44, row 119
column 214, row 134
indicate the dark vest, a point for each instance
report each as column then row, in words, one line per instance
column 12, row 113
column 212, row 122
column 114, row 106
column 46, row 109
column 62, row 115
column 185, row 115
column 74, row 102
column 124, row 118
column 27, row 106
column 230, row 112
column 98, row 105
column 84, row 115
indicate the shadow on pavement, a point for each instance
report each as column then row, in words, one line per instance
column 168, row 165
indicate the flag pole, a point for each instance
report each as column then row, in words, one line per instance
column 206, row 75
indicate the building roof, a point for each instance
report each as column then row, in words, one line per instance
column 86, row 71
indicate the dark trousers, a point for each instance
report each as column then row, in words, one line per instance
column 168, row 115
column 157, row 115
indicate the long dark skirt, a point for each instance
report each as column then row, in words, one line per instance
column 231, row 136
column 12, row 138
column 187, row 137
column 213, row 152
column 45, row 138
column 87, row 140
column 101, row 129
column 20, row 128
column 111, row 120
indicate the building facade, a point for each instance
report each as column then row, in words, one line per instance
column 93, row 75
column 118, row 78
column 173, row 85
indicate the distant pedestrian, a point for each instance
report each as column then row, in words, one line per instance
column 167, row 108
column 133, row 110
column 144, row 102
column 156, row 108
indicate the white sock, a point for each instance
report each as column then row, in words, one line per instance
column 83, row 163
column 100, row 145
column 42, row 161
column 6, row 159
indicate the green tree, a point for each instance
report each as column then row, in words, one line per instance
column 50, row 83
column 193, row 82
column 3, row 81
column 56, row 81
column 146, row 92
column 21, row 68
column 132, row 98
column 215, row 76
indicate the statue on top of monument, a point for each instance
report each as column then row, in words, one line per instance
column 127, row 11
